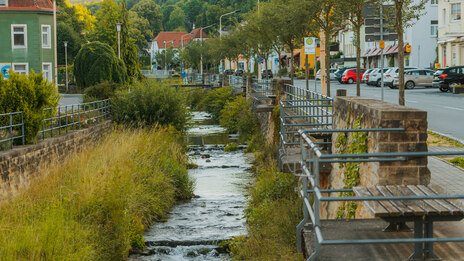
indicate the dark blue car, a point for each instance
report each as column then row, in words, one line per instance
column 339, row 73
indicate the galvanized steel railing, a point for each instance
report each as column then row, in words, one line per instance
column 301, row 109
column 312, row 157
column 73, row 117
column 11, row 129
column 261, row 91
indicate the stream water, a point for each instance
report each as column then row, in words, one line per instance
column 194, row 229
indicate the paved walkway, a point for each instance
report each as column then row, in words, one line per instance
column 449, row 177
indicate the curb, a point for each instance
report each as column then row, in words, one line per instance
column 447, row 136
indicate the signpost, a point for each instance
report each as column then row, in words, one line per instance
column 5, row 70
column 310, row 47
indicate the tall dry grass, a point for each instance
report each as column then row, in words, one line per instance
column 95, row 205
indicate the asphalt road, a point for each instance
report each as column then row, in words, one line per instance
column 70, row 99
column 445, row 111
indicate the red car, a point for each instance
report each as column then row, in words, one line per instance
column 349, row 76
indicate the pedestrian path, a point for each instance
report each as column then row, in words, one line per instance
column 444, row 174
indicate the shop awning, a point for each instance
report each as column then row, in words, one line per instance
column 296, row 53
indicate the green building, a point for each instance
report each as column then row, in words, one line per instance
column 26, row 37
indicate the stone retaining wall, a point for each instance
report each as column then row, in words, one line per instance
column 378, row 114
column 20, row 165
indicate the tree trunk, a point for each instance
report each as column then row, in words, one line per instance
column 358, row 59
column 399, row 31
column 265, row 67
column 291, row 64
column 327, row 60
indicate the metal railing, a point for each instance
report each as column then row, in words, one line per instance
column 62, row 119
column 11, row 129
column 301, row 109
column 236, row 82
column 312, row 157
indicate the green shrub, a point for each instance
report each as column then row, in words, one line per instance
column 459, row 161
column 231, row 147
column 96, row 62
column 237, row 116
column 100, row 91
column 30, row 94
column 150, row 103
column 215, row 101
column 195, row 97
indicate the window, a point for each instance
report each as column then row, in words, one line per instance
column 455, row 12
column 434, row 28
column 46, row 39
column 434, row 2
column 20, row 68
column 47, row 71
column 3, row 3
column 19, row 36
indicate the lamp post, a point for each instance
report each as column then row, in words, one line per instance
column 201, row 52
column 220, row 32
column 55, row 47
column 66, row 62
column 118, row 28
column 182, row 39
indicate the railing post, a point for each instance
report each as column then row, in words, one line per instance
column 66, row 115
column 59, row 120
column 11, row 131
column 22, row 127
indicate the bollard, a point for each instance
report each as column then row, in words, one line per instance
column 341, row 92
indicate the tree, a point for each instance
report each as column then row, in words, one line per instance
column 328, row 15
column 166, row 10
column 78, row 17
column 177, row 19
column 167, row 57
column 140, row 30
column 406, row 12
column 356, row 19
column 128, row 48
column 65, row 32
column 105, row 28
column 192, row 9
column 97, row 62
column 149, row 10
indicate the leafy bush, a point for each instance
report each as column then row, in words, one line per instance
column 95, row 205
column 149, row 103
column 237, row 116
column 215, row 101
column 30, row 94
column 100, row 91
column 459, row 161
column 96, row 62
column 231, row 147
column 195, row 97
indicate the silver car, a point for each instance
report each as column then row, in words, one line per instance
column 390, row 75
column 417, row 77
column 375, row 75
column 366, row 75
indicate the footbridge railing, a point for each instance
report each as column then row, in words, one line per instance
column 311, row 159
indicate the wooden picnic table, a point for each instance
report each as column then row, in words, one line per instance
column 422, row 212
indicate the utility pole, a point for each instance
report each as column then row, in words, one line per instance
column 381, row 53
column 118, row 28
column 66, row 62
column 55, row 45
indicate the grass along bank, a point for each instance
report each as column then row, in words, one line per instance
column 96, row 204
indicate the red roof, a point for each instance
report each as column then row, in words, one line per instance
column 196, row 33
column 28, row 5
column 169, row 37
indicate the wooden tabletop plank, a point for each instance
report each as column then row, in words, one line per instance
column 428, row 209
column 404, row 210
column 411, row 204
column 445, row 203
column 377, row 209
column 386, row 204
column 441, row 210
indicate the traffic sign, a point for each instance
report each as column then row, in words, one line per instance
column 382, row 44
column 310, row 45
column 5, row 70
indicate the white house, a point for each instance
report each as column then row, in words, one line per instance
column 450, row 33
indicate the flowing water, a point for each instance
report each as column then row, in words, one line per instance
column 194, row 229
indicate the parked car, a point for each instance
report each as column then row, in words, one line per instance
column 375, row 76
column 332, row 74
column 365, row 77
column 238, row 72
column 339, row 73
column 229, row 72
column 351, row 75
column 448, row 77
column 417, row 77
column 175, row 74
column 269, row 73
column 389, row 75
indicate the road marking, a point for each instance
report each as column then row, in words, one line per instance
column 412, row 101
column 453, row 108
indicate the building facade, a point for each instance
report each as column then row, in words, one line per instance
column 26, row 37
column 450, row 33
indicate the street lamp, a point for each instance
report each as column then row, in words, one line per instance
column 165, row 57
column 220, row 27
column 182, row 39
column 118, row 28
column 201, row 52
column 66, row 61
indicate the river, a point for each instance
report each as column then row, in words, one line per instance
column 195, row 228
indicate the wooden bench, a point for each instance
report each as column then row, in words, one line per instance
column 422, row 212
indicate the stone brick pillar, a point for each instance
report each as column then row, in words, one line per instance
column 249, row 86
column 378, row 114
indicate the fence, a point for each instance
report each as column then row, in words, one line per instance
column 311, row 159
column 301, row 108
column 73, row 117
column 11, row 129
